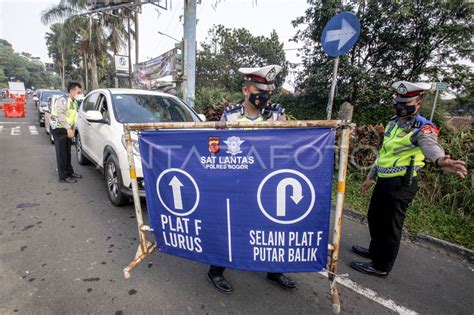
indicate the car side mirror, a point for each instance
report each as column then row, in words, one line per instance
column 35, row 98
column 95, row 116
column 202, row 116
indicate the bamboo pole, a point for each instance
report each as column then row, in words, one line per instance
column 346, row 115
column 145, row 248
column 240, row 124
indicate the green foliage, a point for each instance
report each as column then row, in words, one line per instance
column 400, row 40
column 212, row 101
column 22, row 67
column 77, row 42
column 226, row 50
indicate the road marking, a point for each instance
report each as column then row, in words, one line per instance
column 1, row 129
column 13, row 122
column 372, row 295
column 16, row 131
column 33, row 131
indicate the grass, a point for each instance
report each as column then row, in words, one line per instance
column 433, row 212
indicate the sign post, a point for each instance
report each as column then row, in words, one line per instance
column 339, row 35
column 438, row 86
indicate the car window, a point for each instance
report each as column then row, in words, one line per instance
column 139, row 108
column 47, row 94
column 89, row 102
column 103, row 107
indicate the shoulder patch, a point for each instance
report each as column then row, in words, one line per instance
column 233, row 108
column 428, row 128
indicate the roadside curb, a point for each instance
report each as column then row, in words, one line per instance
column 421, row 238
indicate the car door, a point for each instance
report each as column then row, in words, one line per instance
column 100, row 132
column 84, row 126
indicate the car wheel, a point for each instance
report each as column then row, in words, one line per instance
column 81, row 159
column 113, row 180
column 41, row 123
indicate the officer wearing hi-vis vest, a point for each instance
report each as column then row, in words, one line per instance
column 63, row 121
column 258, row 86
column 409, row 139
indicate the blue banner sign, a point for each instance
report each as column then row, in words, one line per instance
column 245, row 199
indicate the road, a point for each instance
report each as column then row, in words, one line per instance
column 63, row 248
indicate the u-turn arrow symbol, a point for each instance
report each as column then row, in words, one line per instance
column 297, row 195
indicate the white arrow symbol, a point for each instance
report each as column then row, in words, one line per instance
column 178, row 200
column 343, row 35
column 281, row 194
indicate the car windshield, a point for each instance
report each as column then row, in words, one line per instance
column 137, row 108
column 46, row 95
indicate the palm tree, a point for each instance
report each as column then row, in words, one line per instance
column 56, row 50
column 95, row 35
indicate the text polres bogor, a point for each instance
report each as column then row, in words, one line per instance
column 181, row 233
column 281, row 246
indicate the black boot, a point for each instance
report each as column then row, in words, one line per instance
column 368, row 268
column 361, row 251
column 282, row 280
column 220, row 282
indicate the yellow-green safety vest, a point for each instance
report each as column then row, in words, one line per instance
column 71, row 112
column 398, row 148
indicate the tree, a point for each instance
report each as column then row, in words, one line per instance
column 94, row 35
column 400, row 40
column 22, row 67
column 59, row 43
column 226, row 50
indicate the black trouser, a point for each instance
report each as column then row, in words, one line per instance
column 63, row 152
column 219, row 271
column 388, row 206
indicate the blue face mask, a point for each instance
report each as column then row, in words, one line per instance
column 403, row 110
column 262, row 99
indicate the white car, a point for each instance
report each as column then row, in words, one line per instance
column 100, row 135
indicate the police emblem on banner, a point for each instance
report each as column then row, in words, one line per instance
column 214, row 145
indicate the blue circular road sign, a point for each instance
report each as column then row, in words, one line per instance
column 340, row 34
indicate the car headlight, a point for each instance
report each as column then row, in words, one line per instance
column 135, row 147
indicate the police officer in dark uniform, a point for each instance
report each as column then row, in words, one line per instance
column 409, row 139
column 258, row 86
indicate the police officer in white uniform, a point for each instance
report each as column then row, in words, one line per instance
column 409, row 139
column 258, row 86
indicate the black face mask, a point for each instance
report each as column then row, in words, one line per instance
column 403, row 110
column 262, row 97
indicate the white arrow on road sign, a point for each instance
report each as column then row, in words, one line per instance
column 177, row 186
column 281, row 194
column 343, row 35
column 177, row 198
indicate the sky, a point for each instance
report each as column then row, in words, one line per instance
column 20, row 23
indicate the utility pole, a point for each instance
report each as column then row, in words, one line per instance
column 136, row 33
column 129, row 51
column 189, row 51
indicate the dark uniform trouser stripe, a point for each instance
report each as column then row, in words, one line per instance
column 388, row 206
column 63, row 152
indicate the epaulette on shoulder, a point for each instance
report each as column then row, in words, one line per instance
column 233, row 108
column 421, row 121
column 275, row 107
column 393, row 118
